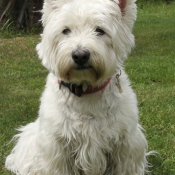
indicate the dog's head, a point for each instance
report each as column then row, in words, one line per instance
column 84, row 41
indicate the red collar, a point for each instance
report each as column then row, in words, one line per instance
column 78, row 90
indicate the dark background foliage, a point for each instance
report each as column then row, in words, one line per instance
column 23, row 14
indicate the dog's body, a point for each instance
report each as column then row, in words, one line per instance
column 84, row 44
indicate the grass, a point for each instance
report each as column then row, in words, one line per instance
column 152, row 70
column 150, row 67
column 21, row 83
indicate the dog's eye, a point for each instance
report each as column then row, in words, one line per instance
column 99, row 31
column 66, row 31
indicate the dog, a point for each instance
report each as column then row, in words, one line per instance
column 88, row 120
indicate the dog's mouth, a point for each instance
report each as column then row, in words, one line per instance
column 79, row 68
column 81, row 74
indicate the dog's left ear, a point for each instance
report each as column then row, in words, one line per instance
column 128, row 10
column 122, row 4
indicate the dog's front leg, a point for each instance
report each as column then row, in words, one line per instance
column 129, row 157
column 52, row 158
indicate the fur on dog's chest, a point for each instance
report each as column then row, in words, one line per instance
column 90, row 144
column 90, row 127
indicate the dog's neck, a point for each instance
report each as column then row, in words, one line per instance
column 78, row 89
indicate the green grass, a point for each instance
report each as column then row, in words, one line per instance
column 151, row 68
column 22, row 80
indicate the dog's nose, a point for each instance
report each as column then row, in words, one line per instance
column 80, row 56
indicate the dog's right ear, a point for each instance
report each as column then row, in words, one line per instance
column 49, row 6
column 47, row 9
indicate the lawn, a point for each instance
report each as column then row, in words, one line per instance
column 151, row 68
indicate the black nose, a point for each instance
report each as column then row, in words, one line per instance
column 80, row 56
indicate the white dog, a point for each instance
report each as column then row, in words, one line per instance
column 88, row 118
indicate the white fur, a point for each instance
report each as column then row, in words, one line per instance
column 96, row 134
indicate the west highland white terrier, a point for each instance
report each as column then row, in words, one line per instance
column 88, row 117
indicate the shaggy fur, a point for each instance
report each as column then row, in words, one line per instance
column 98, row 133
